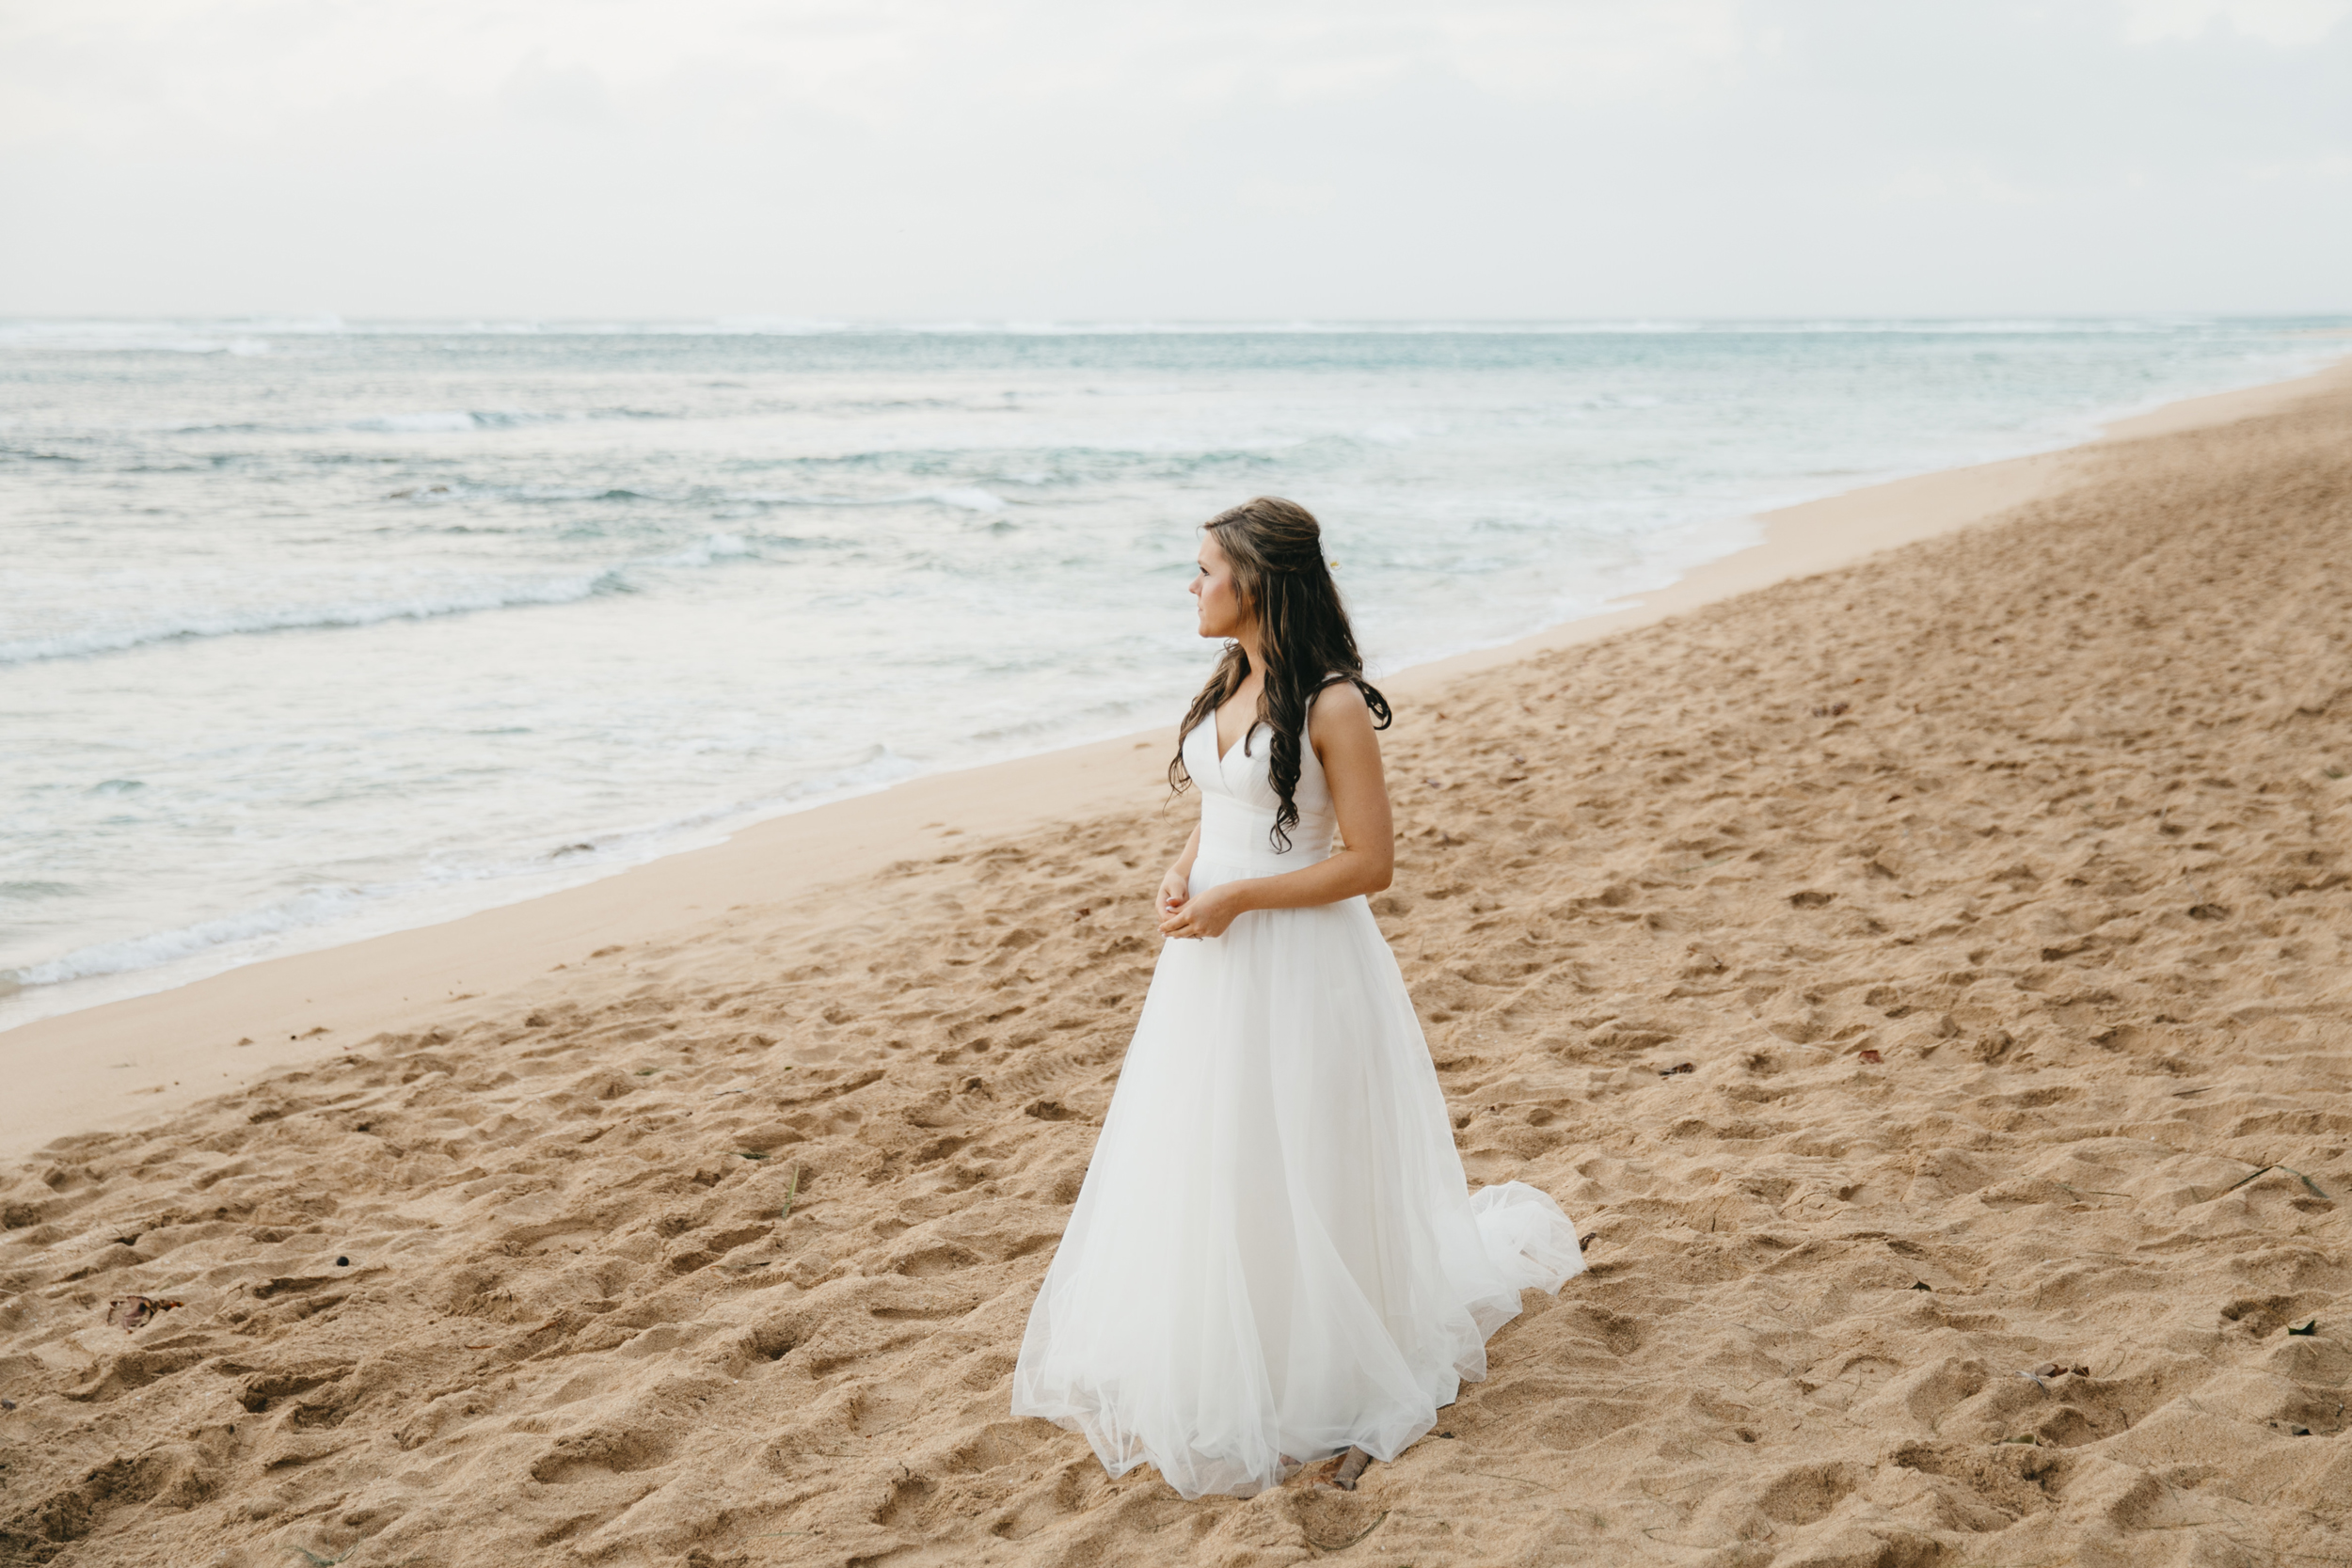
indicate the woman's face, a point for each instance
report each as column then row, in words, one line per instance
column 1220, row 604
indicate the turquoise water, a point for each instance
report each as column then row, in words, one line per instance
column 311, row 630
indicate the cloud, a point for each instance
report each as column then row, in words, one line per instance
column 836, row 158
column 253, row 68
column 2284, row 24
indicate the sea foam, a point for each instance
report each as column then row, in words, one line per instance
column 104, row 638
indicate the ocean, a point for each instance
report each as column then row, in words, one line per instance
column 313, row 629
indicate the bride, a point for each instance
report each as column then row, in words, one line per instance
column 1274, row 1257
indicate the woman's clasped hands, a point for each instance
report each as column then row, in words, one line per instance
column 1184, row 913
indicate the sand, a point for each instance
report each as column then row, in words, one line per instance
column 1997, row 890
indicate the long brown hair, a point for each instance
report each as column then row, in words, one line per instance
column 1280, row 576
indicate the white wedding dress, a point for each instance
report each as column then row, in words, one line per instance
column 1274, row 1253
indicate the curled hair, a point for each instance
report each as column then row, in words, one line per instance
column 1276, row 550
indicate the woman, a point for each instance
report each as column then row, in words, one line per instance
column 1275, row 1257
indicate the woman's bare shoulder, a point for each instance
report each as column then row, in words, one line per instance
column 1339, row 710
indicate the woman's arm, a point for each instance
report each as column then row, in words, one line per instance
column 1177, row 885
column 1341, row 731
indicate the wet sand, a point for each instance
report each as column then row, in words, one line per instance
column 1997, row 891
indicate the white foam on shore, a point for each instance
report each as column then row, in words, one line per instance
column 158, row 948
column 335, row 915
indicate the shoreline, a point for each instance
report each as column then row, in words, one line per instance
column 117, row 1063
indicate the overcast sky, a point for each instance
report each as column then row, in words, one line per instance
column 1197, row 159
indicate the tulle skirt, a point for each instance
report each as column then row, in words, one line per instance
column 1274, row 1253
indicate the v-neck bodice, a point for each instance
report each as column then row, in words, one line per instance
column 1238, row 804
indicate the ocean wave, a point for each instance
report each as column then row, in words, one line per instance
column 316, row 908
column 437, row 420
column 718, row 547
column 963, row 498
column 432, row 421
column 435, row 494
column 425, row 422
column 250, row 335
column 1933, row 326
column 99, row 337
column 568, row 492
column 457, row 490
column 1635, row 327
column 983, row 464
column 967, row 498
column 508, row 595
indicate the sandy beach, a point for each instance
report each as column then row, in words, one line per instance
column 1925, row 975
